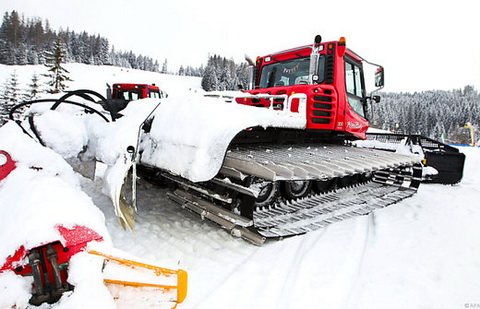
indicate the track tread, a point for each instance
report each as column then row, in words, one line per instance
column 319, row 211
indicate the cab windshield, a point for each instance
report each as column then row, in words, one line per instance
column 130, row 95
column 289, row 72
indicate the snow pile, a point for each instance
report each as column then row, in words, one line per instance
column 16, row 290
column 62, row 132
column 41, row 193
column 83, row 139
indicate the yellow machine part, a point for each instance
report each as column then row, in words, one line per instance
column 156, row 286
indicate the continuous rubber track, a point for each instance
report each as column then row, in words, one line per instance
column 387, row 178
column 318, row 211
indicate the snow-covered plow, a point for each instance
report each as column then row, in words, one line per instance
column 55, row 246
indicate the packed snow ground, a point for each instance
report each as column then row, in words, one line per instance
column 420, row 253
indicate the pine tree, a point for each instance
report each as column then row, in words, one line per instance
column 209, row 79
column 58, row 74
column 165, row 67
column 223, row 74
column 10, row 94
column 156, row 66
column 181, row 71
column 10, row 97
column 34, row 88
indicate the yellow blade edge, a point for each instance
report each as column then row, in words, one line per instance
column 182, row 275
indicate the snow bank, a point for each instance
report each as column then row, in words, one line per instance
column 63, row 133
column 419, row 253
column 15, row 290
column 41, row 193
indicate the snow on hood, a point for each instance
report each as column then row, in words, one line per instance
column 190, row 134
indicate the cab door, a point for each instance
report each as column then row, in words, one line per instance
column 355, row 113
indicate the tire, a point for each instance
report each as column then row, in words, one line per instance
column 296, row 189
column 268, row 193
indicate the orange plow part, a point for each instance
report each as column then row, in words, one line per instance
column 127, row 280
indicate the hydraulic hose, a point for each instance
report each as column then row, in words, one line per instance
column 85, row 94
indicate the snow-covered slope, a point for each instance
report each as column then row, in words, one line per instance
column 420, row 253
column 96, row 77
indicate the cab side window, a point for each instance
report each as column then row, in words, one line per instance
column 355, row 87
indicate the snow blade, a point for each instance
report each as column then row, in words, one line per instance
column 449, row 165
column 122, row 181
column 127, row 280
column 447, row 161
column 127, row 217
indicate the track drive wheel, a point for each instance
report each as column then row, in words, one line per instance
column 324, row 186
column 269, row 191
column 296, row 189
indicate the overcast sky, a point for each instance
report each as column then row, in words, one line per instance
column 423, row 44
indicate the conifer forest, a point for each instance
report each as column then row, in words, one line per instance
column 439, row 114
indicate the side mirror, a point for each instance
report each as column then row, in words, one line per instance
column 374, row 99
column 379, row 78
